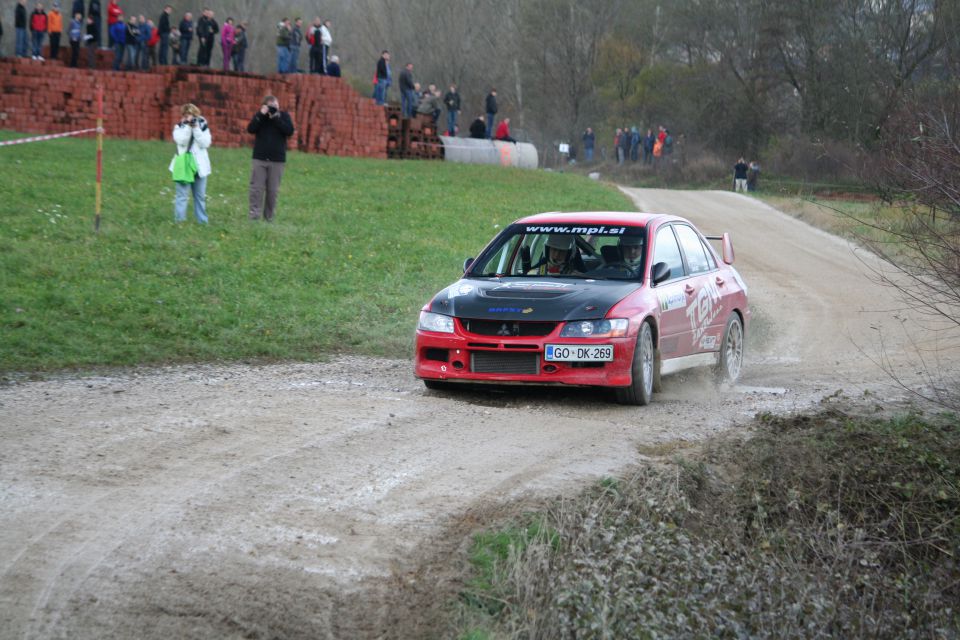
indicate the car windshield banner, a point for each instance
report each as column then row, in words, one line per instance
column 601, row 230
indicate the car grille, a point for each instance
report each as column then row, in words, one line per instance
column 508, row 328
column 498, row 362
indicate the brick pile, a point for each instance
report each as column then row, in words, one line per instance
column 329, row 116
column 412, row 138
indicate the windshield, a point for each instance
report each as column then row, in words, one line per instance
column 568, row 250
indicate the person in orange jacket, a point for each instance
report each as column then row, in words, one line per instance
column 55, row 28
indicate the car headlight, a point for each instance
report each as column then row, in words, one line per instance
column 435, row 322
column 615, row 328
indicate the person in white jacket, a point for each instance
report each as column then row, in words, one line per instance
column 193, row 133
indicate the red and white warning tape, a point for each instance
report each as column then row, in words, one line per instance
column 52, row 136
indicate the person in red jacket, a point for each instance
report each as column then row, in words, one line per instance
column 114, row 13
column 38, row 29
column 503, row 131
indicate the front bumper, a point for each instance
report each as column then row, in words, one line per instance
column 463, row 357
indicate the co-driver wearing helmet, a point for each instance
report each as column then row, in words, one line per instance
column 558, row 258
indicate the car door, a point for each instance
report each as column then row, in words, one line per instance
column 671, row 295
column 704, row 311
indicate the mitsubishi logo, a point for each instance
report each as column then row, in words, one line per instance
column 509, row 330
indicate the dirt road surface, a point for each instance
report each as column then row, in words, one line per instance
column 299, row 500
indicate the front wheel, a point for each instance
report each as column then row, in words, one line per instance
column 641, row 388
column 731, row 351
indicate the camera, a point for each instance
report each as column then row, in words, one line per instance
column 193, row 122
column 272, row 109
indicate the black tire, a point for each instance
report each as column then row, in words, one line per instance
column 640, row 390
column 731, row 351
column 436, row 385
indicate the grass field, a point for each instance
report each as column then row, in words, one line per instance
column 357, row 247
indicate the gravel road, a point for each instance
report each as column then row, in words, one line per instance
column 296, row 500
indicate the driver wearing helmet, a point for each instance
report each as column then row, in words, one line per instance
column 626, row 255
column 631, row 248
column 558, row 257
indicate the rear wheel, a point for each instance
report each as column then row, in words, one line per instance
column 641, row 389
column 731, row 351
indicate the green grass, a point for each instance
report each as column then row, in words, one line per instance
column 834, row 524
column 357, row 248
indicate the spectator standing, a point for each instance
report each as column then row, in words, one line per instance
column 93, row 11
column 634, row 144
column 20, row 28
column 192, row 135
column 740, row 176
column 143, row 44
column 326, row 40
column 383, row 77
column 648, row 141
column 75, row 35
column 313, row 38
column 478, row 128
column 163, row 30
column 625, row 144
column 296, row 40
column 753, row 176
column 114, row 15
column 491, row 109
column 38, row 29
column 408, row 92
column 90, row 39
column 589, row 142
column 452, row 101
column 503, row 131
column 55, row 29
column 174, row 45
column 667, row 143
column 186, row 36
column 239, row 46
column 132, row 44
column 118, row 36
column 657, row 150
column 207, row 30
column 227, row 41
column 272, row 127
column 152, row 42
column 284, row 33
column 333, row 67
column 617, row 144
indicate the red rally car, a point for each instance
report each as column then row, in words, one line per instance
column 588, row 299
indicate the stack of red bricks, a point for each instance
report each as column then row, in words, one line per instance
column 412, row 138
column 329, row 116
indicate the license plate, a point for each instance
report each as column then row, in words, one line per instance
column 579, row 353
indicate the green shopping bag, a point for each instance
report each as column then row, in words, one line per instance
column 185, row 166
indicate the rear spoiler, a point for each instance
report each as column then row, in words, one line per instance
column 727, row 245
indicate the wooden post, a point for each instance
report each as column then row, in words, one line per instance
column 99, row 196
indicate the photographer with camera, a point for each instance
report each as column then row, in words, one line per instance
column 192, row 135
column 272, row 127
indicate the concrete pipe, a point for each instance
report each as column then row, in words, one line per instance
column 473, row 151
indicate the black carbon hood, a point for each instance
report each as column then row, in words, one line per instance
column 534, row 299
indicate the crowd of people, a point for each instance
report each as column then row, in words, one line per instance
column 139, row 43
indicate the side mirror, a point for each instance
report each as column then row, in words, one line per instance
column 727, row 249
column 467, row 263
column 660, row 272
column 525, row 262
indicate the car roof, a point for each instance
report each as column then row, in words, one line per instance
column 623, row 218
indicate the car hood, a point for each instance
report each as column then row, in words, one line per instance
column 531, row 299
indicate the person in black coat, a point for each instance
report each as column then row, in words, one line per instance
column 333, row 67
column 163, row 28
column 272, row 127
column 491, row 105
column 186, row 35
column 452, row 101
column 478, row 128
